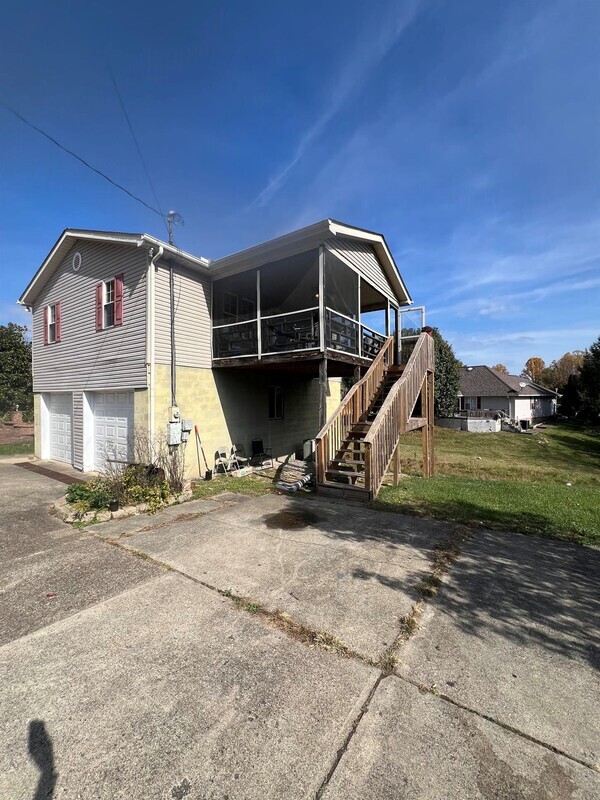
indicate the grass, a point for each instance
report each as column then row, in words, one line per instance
column 253, row 485
column 16, row 448
column 507, row 481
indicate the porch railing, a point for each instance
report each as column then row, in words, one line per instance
column 296, row 330
column 394, row 415
column 354, row 405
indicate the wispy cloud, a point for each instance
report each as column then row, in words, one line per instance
column 365, row 56
column 515, row 347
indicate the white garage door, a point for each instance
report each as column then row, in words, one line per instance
column 60, row 417
column 113, row 427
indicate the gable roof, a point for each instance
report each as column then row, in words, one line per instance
column 482, row 381
column 311, row 236
column 70, row 235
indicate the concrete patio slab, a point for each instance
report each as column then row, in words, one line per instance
column 515, row 634
column 168, row 691
column 340, row 568
column 411, row 745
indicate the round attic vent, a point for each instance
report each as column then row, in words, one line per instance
column 522, row 384
column 469, row 369
column 76, row 262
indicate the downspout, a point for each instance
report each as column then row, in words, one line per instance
column 151, row 336
column 172, row 315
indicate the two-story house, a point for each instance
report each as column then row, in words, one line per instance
column 130, row 333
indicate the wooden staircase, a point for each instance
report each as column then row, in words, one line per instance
column 359, row 442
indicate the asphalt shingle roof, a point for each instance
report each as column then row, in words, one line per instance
column 483, row 381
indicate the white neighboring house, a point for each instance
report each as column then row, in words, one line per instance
column 484, row 389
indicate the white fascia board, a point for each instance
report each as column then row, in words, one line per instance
column 67, row 235
column 137, row 239
column 379, row 242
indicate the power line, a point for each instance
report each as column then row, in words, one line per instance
column 80, row 159
column 137, row 145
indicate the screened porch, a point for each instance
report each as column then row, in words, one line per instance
column 301, row 307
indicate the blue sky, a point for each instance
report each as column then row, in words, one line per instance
column 465, row 131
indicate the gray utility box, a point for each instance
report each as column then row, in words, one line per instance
column 173, row 432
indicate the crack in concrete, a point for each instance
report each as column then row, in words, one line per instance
column 345, row 744
column 504, row 725
column 326, row 641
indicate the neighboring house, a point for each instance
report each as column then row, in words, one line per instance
column 131, row 334
column 484, row 389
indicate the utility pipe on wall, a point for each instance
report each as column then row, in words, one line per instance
column 151, row 334
column 172, row 315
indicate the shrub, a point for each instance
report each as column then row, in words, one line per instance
column 133, row 485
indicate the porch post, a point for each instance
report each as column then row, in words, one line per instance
column 397, row 342
column 258, row 322
column 387, row 320
column 322, row 299
column 323, row 386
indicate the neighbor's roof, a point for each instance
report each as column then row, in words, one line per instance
column 70, row 235
column 304, row 239
column 483, row 381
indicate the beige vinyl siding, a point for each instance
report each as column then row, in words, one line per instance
column 192, row 318
column 362, row 257
column 86, row 358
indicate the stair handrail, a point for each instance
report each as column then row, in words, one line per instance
column 391, row 421
column 350, row 409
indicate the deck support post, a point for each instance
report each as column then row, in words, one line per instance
column 323, row 392
column 396, row 464
column 427, row 429
column 431, row 420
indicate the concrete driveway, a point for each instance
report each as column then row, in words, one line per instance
column 231, row 648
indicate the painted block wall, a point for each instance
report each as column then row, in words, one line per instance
column 232, row 407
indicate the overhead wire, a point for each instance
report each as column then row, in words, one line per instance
column 137, row 145
column 80, row 159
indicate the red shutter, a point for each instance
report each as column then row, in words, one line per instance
column 99, row 307
column 118, row 299
column 45, row 324
column 58, row 320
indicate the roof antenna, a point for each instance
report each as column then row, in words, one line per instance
column 173, row 218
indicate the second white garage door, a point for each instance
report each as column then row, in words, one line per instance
column 113, row 428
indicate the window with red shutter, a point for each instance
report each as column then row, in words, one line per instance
column 118, row 299
column 58, row 322
column 99, row 292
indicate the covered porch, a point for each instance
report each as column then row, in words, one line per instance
column 301, row 310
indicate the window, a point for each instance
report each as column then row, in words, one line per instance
column 52, row 323
column 470, row 403
column 275, row 402
column 108, row 304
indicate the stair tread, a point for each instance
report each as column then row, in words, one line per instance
column 345, row 473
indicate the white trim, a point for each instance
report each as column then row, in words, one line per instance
column 258, row 317
column 295, row 350
column 233, row 324
column 290, row 313
column 88, row 432
column 270, row 353
column 137, row 239
column 345, row 316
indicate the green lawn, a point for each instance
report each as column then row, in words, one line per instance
column 254, row 485
column 16, row 448
column 507, row 481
